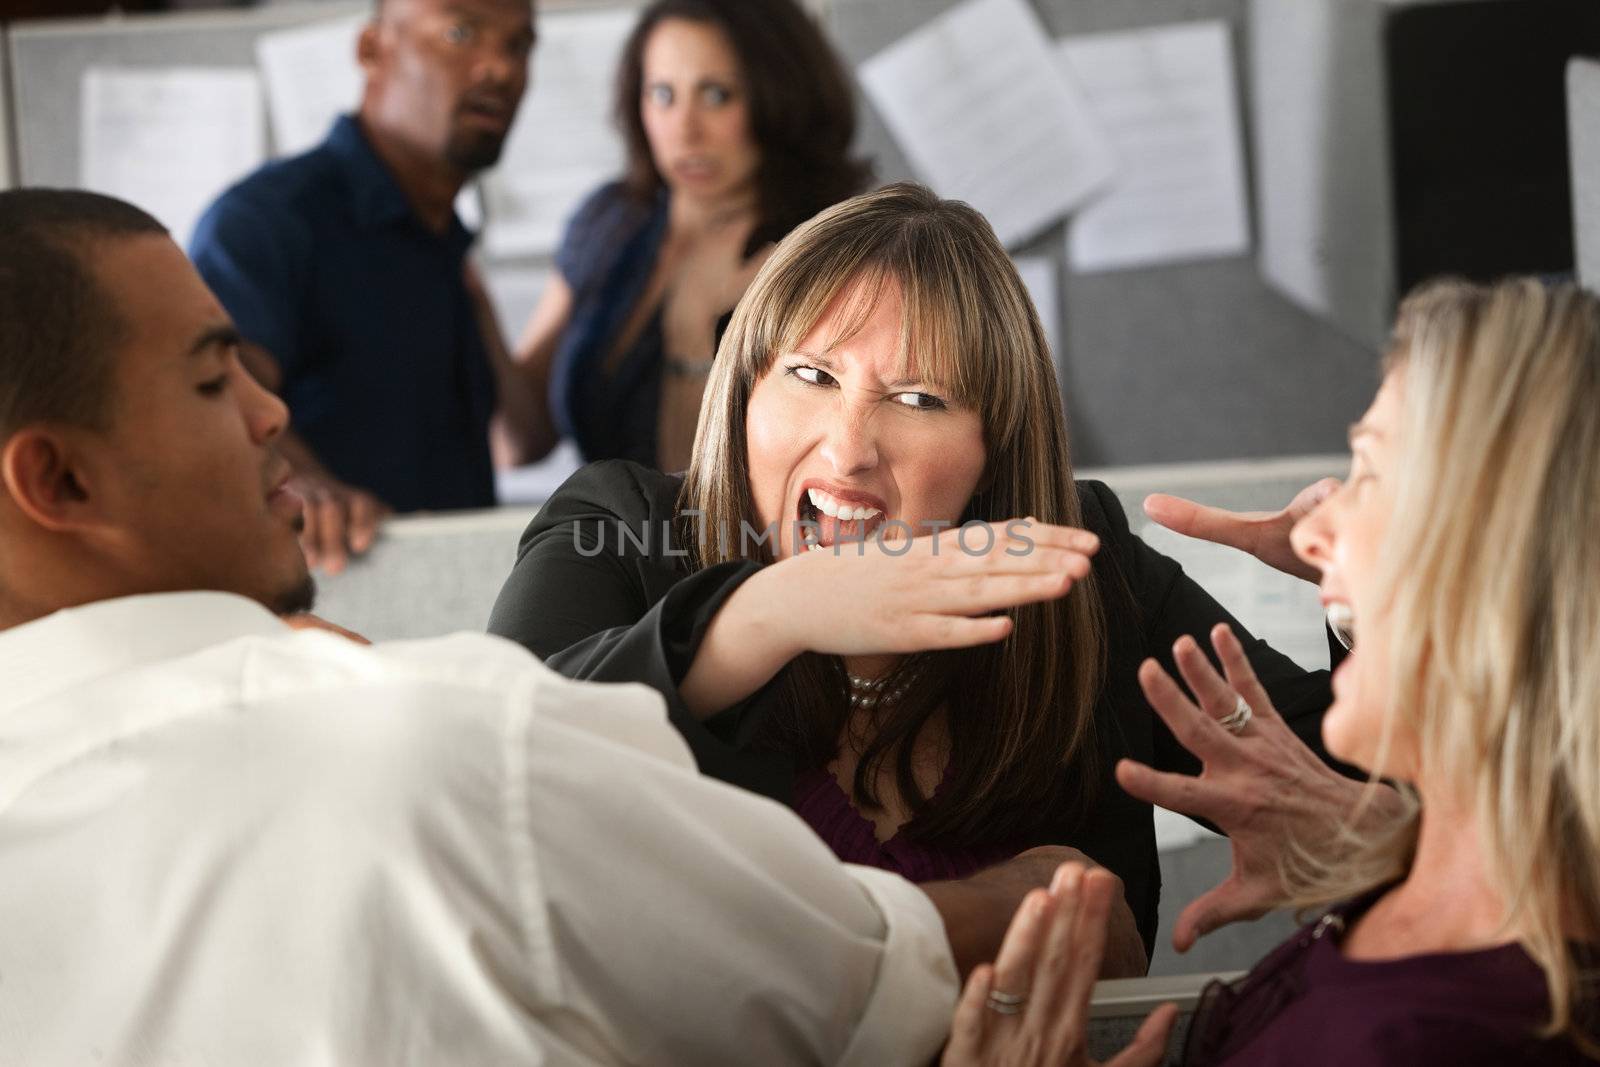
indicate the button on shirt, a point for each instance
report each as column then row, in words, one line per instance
column 225, row 842
column 320, row 260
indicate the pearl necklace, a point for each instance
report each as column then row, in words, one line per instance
column 865, row 692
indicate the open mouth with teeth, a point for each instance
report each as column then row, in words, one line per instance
column 826, row 520
column 1343, row 620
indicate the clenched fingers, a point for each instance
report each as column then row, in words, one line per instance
column 331, row 522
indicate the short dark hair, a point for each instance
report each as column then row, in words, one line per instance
column 802, row 109
column 58, row 326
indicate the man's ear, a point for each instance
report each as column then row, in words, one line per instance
column 368, row 47
column 41, row 475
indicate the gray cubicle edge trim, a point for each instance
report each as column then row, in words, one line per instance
column 1164, row 477
column 1125, row 997
column 1583, row 151
column 8, row 118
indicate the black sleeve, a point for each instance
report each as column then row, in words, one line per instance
column 1166, row 604
column 600, row 593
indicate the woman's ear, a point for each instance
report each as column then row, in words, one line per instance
column 42, row 478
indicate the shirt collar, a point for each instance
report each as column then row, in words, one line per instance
column 76, row 645
column 375, row 196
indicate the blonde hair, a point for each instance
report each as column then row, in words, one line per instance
column 1492, row 569
column 1019, row 712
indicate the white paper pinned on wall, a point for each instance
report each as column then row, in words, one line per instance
column 311, row 77
column 1283, row 611
column 563, row 144
column 170, row 139
column 1167, row 99
column 985, row 112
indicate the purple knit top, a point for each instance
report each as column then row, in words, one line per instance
column 827, row 809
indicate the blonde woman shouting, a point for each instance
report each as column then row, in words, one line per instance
column 1464, row 549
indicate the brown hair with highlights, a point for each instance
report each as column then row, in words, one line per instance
column 1018, row 714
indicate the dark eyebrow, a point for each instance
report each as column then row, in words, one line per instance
column 219, row 336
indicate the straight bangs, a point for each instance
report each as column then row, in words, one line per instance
column 954, row 308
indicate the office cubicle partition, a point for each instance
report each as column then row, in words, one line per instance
column 1583, row 125
column 8, row 146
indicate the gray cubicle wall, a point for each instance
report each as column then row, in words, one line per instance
column 1184, row 362
column 1583, row 124
column 1189, row 361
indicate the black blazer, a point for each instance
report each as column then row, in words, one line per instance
column 595, row 604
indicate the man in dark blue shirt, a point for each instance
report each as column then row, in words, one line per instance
column 345, row 268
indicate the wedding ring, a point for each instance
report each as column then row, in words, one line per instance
column 1006, row 1003
column 1236, row 720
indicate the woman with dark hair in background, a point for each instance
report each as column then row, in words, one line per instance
column 738, row 118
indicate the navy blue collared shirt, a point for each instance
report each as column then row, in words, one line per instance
column 320, row 260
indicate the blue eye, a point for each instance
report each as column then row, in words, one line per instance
column 716, row 95
column 659, row 95
column 459, row 33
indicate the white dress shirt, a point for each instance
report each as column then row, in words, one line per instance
column 226, row 843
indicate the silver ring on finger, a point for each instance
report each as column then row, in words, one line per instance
column 1006, row 1003
column 1236, row 720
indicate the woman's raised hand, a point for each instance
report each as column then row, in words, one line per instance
column 1259, row 783
column 918, row 594
column 864, row 598
column 1031, row 1006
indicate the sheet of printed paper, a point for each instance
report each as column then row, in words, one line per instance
column 564, row 143
column 170, row 139
column 1040, row 275
column 311, row 77
column 1283, row 611
column 986, row 113
column 1167, row 98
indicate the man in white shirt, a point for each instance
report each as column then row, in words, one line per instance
column 223, row 841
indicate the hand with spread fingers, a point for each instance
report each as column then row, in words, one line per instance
column 1263, row 534
column 1031, row 1006
column 1259, row 783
